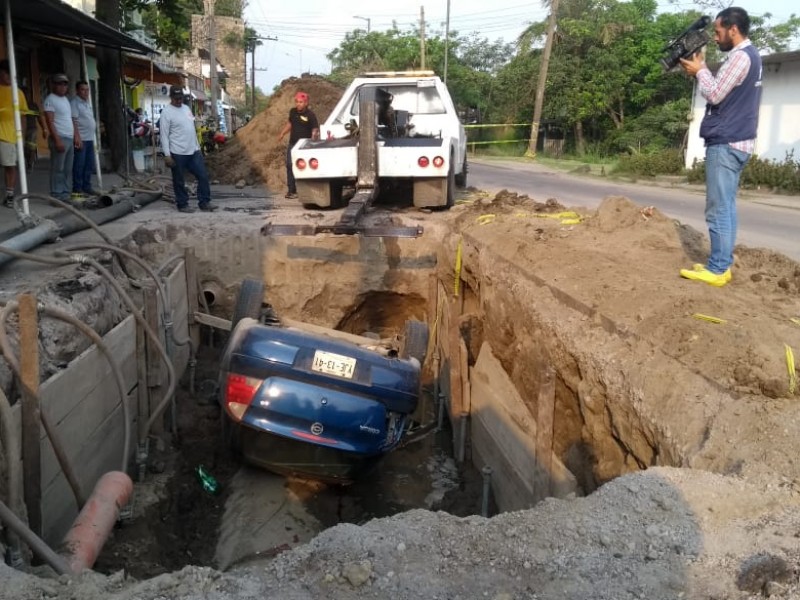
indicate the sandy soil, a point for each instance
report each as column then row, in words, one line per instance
column 728, row 528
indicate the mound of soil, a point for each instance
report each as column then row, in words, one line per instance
column 255, row 154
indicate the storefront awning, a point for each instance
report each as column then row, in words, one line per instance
column 58, row 19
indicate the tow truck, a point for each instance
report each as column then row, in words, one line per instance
column 390, row 130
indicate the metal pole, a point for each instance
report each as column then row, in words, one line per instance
column 96, row 116
column 422, row 37
column 212, row 59
column 12, row 71
column 446, row 39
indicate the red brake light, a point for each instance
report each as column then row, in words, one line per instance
column 423, row 161
column 438, row 162
column 301, row 163
column 313, row 163
column 239, row 393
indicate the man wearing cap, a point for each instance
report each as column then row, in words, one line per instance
column 303, row 124
column 181, row 151
column 63, row 138
column 83, row 163
column 8, row 130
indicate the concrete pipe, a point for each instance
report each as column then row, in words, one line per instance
column 114, row 198
column 212, row 292
column 46, row 231
column 91, row 528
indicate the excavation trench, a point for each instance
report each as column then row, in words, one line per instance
column 521, row 408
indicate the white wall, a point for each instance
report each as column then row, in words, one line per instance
column 779, row 119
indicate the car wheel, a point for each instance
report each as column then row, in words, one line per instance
column 248, row 301
column 461, row 178
column 415, row 340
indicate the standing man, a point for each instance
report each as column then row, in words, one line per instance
column 181, row 151
column 64, row 136
column 8, row 130
column 303, row 124
column 729, row 130
column 83, row 163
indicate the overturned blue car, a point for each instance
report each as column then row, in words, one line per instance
column 315, row 403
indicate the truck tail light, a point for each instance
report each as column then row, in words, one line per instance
column 438, row 162
column 423, row 161
column 313, row 163
column 301, row 163
column 239, row 394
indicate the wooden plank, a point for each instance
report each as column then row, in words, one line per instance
column 29, row 373
column 176, row 283
column 545, row 415
column 454, row 360
column 84, row 372
column 151, row 315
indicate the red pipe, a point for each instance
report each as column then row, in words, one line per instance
column 91, row 529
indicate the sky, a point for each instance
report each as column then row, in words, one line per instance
column 307, row 30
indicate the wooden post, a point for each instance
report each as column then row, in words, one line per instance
column 31, row 428
column 153, row 364
column 545, row 420
column 190, row 263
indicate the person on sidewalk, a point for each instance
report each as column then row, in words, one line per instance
column 83, row 163
column 302, row 124
column 182, row 152
column 729, row 129
column 63, row 138
column 8, row 131
column 34, row 122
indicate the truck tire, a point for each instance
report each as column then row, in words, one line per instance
column 450, row 198
column 415, row 340
column 248, row 301
column 461, row 178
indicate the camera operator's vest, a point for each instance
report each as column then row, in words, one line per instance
column 735, row 119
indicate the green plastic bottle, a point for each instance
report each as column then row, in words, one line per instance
column 207, row 480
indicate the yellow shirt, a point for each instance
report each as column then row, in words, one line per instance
column 7, row 128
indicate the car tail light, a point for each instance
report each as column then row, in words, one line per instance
column 438, row 162
column 313, row 163
column 423, row 161
column 239, row 393
column 301, row 163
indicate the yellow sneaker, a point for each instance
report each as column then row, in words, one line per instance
column 701, row 267
column 706, row 276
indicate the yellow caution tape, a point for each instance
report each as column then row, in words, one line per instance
column 567, row 217
column 484, row 219
column 795, row 320
column 457, row 279
column 708, row 318
column 790, row 367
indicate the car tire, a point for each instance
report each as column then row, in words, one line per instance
column 248, row 301
column 415, row 340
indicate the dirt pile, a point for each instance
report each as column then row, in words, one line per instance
column 255, row 154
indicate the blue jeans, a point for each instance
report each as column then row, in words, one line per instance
column 61, row 168
column 724, row 165
column 195, row 165
column 82, row 168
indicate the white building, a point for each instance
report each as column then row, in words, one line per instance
column 779, row 119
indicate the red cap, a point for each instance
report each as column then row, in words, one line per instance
column 301, row 96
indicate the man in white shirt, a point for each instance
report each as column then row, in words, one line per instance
column 63, row 138
column 83, row 163
column 182, row 152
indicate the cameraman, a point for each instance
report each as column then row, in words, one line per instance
column 729, row 130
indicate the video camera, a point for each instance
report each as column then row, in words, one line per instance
column 687, row 44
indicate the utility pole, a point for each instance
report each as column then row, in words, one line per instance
column 539, row 101
column 212, row 58
column 422, row 37
column 446, row 39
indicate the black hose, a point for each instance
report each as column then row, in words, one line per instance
column 34, row 542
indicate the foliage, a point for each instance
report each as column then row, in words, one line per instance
column 650, row 164
column 783, row 176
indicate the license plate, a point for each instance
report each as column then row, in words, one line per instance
column 333, row 364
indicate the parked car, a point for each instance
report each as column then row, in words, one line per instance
column 315, row 404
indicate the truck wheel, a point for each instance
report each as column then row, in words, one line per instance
column 461, row 178
column 336, row 188
column 451, row 187
column 415, row 340
column 248, row 301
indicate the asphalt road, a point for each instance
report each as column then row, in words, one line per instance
column 764, row 221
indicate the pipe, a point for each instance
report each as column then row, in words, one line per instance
column 112, row 198
column 46, row 231
column 34, row 542
column 462, row 437
column 11, row 450
column 440, row 417
column 486, row 472
column 211, row 291
column 89, row 532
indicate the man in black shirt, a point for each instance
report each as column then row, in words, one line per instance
column 302, row 124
